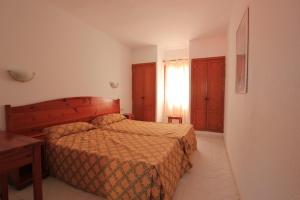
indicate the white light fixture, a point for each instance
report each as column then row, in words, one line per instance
column 21, row 76
column 113, row 84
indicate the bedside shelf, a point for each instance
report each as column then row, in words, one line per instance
column 22, row 177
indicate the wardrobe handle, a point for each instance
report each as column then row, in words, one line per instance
column 142, row 97
column 206, row 98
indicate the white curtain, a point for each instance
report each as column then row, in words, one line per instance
column 177, row 89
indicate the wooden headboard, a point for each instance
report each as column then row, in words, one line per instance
column 33, row 118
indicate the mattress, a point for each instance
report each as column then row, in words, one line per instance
column 117, row 165
column 184, row 133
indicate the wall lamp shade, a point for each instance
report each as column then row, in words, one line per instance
column 21, row 76
column 114, row 84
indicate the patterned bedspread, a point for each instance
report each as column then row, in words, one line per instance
column 117, row 165
column 183, row 132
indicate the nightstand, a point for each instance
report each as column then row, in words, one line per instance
column 129, row 115
column 171, row 118
column 22, row 176
column 17, row 151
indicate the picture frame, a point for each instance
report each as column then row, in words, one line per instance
column 242, row 48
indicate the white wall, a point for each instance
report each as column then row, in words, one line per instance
column 69, row 57
column 262, row 127
column 208, row 47
column 145, row 54
column 173, row 54
column 160, row 84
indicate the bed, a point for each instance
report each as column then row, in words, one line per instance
column 118, row 166
column 184, row 133
column 110, row 163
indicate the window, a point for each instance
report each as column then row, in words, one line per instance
column 177, row 89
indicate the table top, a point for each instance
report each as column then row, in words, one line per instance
column 10, row 141
column 175, row 117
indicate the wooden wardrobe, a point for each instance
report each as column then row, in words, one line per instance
column 207, row 93
column 144, row 91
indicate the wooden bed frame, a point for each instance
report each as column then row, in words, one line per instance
column 31, row 119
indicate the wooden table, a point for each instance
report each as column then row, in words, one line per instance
column 129, row 115
column 16, row 151
column 170, row 118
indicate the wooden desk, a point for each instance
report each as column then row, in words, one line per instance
column 17, row 151
column 170, row 118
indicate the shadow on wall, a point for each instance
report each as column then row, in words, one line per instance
column 2, row 116
column 4, row 75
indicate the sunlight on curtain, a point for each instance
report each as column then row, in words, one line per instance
column 177, row 89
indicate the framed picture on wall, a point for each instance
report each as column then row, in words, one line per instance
column 242, row 43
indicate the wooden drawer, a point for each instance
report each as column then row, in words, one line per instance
column 16, row 157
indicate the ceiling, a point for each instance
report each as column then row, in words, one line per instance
column 167, row 23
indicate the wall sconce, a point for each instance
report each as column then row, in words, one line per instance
column 21, row 76
column 113, row 84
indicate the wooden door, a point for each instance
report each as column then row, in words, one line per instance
column 149, row 91
column 144, row 91
column 198, row 94
column 138, row 92
column 207, row 93
column 215, row 94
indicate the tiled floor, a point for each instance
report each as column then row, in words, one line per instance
column 209, row 179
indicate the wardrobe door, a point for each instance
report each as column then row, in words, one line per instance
column 144, row 91
column 138, row 91
column 207, row 93
column 198, row 93
column 215, row 94
column 149, row 91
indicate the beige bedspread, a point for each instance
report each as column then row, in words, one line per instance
column 117, row 165
column 183, row 132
